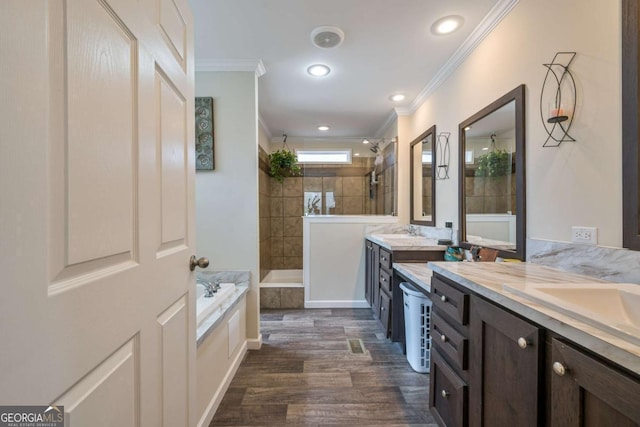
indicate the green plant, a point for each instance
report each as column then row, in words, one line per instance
column 495, row 163
column 283, row 163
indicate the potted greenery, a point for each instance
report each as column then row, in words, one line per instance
column 495, row 163
column 283, row 163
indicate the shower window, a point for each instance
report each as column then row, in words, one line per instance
column 325, row 156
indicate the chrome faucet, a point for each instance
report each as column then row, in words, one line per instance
column 412, row 230
column 210, row 288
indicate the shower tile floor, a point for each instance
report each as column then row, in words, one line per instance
column 305, row 375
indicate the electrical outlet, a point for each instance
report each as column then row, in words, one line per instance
column 448, row 224
column 585, row 235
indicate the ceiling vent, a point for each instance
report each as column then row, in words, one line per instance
column 327, row 37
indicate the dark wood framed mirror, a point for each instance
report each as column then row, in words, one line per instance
column 630, row 133
column 423, row 179
column 491, row 181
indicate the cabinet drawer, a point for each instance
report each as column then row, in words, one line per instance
column 385, row 259
column 450, row 300
column 450, row 342
column 385, row 281
column 448, row 394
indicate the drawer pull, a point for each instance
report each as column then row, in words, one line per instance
column 384, row 259
column 383, row 279
column 443, row 338
column 523, row 343
column 381, row 308
column 559, row 369
column 445, row 394
column 443, row 298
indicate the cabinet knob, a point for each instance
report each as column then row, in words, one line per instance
column 444, row 394
column 559, row 369
column 383, row 279
column 523, row 343
column 443, row 338
column 443, row 298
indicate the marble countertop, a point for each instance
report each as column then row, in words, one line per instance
column 405, row 242
column 419, row 273
column 487, row 279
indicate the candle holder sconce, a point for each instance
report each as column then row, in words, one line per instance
column 558, row 99
column 443, row 155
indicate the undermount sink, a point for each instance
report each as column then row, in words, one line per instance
column 614, row 307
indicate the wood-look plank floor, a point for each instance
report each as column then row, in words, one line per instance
column 305, row 375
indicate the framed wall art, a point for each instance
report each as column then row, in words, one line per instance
column 204, row 133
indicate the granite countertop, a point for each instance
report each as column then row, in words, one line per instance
column 418, row 273
column 405, row 242
column 487, row 279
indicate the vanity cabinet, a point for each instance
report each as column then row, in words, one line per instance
column 586, row 391
column 490, row 366
column 382, row 290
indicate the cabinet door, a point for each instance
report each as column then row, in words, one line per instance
column 368, row 277
column 375, row 282
column 587, row 392
column 505, row 372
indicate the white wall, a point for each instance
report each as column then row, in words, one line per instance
column 227, row 198
column 578, row 183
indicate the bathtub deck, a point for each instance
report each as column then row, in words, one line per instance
column 305, row 375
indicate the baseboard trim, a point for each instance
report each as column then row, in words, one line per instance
column 254, row 343
column 212, row 407
column 337, row 304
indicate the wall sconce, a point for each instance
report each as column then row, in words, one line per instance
column 558, row 99
column 443, row 154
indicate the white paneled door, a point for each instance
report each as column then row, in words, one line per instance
column 97, row 210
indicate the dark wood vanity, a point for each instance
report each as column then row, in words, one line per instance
column 382, row 292
column 493, row 366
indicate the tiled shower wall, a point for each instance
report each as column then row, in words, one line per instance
column 335, row 190
column 264, row 207
column 490, row 194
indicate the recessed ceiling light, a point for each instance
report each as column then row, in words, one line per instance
column 447, row 25
column 485, row 149
column 356, row 154
column 318, row 70
column 397, row 97
column 323, row 128
column 365, row 141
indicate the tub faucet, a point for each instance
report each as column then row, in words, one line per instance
column 209, row 288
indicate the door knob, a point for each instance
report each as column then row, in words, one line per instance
column 202, row 262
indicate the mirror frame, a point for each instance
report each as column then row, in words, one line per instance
column 630, row 133
column 517, row 95
column 431, row 131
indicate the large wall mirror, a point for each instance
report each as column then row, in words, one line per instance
column 492, row 177
column 423, row 182
column 630, row 134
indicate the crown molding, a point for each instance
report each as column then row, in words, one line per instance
column 490, row 21
column 264, row 127
column 250, row 65
column 388, row 122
